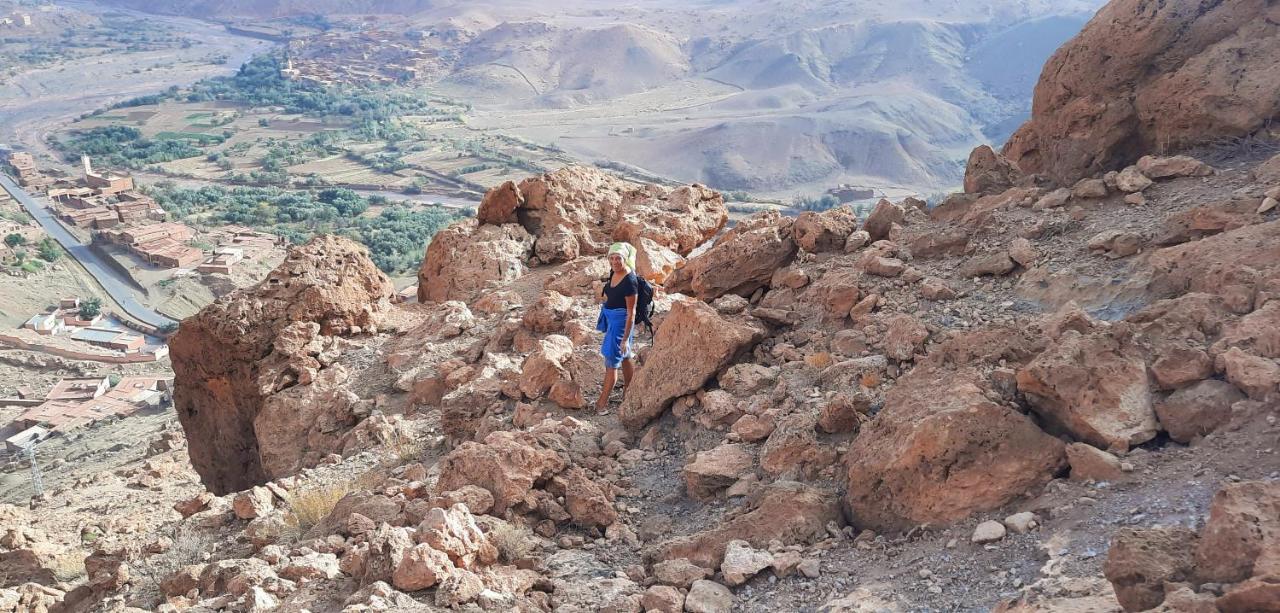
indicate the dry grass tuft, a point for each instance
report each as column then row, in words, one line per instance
column 406, row 448
column 310, row 503
column 513, row 542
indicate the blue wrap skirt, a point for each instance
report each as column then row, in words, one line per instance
column 613, row 322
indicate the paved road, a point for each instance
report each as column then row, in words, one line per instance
column 112, row 280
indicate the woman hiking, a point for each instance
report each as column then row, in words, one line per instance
column 617, row 316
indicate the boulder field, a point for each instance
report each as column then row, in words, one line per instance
column 1057, row 390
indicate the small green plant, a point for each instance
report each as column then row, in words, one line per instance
column 49, row 249
column 90, row 307
column 15, row 240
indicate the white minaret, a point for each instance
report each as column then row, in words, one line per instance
column 88, row 166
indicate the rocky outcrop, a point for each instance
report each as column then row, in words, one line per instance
column 691, row 346
column 742, row 261
column 941, row 450
column 580, row 210
column 258, row 390
column 1144, row 77
column 467, row 258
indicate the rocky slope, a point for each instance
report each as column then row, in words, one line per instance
column 1035, row 396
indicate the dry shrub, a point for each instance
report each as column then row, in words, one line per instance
column 187, row 546
column 309, row 506
column 513, row 542
column 407, row 448
column 310, row 503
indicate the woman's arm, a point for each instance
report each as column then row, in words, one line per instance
column 631, row 315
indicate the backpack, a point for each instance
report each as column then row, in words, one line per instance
column 644, row 301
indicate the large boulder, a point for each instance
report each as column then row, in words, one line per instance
column 691, row 346
column 257, row 389
column 988, row 172
column 941, row 450
column 580, row 210
column 1094, row 387
column 468, row 258
column 1146, row 76
column 741, row 262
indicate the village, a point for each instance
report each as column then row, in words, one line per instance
column 76, row 403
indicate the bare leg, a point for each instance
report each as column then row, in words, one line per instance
column 610, row 377
column 628, row 370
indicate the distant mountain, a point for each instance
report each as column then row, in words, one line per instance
column 774, row 96
column 271, row 9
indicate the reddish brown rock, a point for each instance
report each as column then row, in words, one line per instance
column 1254, row 375
column 1023, row 252
column 1199, row 222
column 588, row 504
column 507, row 464
column 714, row 470
column 882, row 218
column 1231, row 265
column 940, row 450
column 788, row 512
column 882, row 266
column 257, row 391
column 938, row 242
column 741, row 261
column 656, row 262
column 1143, row 77
column 1257, row 333
column 988, row 172
column 933, row 288
column 1141, row 561
column 844, row 413
column 499, row 204
column 421, row 567
column 753, row 428
column 1155, row 167
column 547, row 367
column 793, row 448
column 549, row 313
column 1115, row 243
column 1095, row 387
column 1088, row 463
column 1195, row 411
column 1179, row 364
column 580, row 210
column 825, row 231
column 1241, row 539
column 692, row 345
column 996, row 263
column 467, row 258
column 905, row 337
column 1088, row 189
